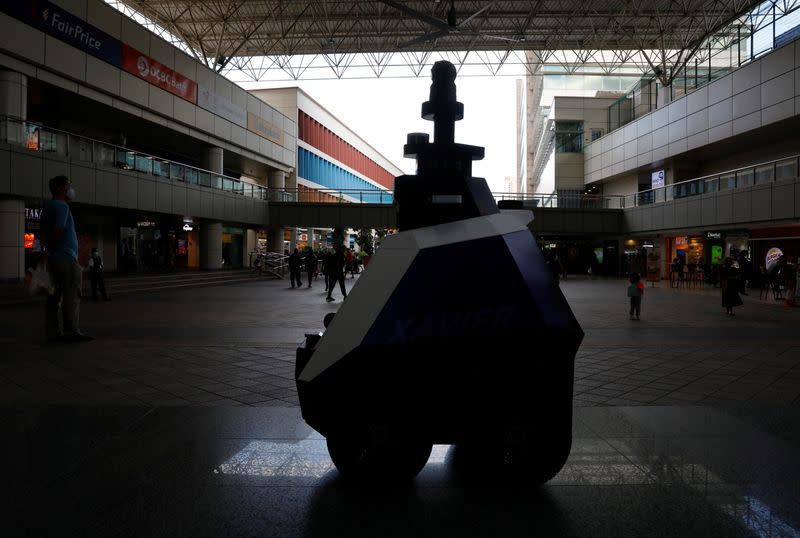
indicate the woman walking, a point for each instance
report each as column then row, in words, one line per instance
column 729, row 280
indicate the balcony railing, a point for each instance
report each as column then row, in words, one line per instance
column 779, row 170
column 35, row 137
column 334, row 196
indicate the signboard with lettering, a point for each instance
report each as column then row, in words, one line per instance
column 713, row 235
column 52, row 20
column 157, row 74
column 264, row 128
column 221, row 106
column 33, row 218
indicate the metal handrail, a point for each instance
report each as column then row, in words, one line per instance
column 745, row 176
column 37, row 137
column 350, row 196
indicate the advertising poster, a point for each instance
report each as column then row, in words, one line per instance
column 657, row 179
column 716, row 254
column 146, row 68
column 32, row 137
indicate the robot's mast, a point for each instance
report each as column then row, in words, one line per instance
column 442, row 189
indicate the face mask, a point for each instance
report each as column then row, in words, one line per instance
column 71, row 194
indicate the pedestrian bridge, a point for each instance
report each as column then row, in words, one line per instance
column 573, row 215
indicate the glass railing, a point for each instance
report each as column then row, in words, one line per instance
column 759, row 174
column 36, row 137
column 334, row 196
column 764, row 28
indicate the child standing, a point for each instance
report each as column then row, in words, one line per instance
column 635, row 292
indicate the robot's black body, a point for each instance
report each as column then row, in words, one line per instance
column 443, row 338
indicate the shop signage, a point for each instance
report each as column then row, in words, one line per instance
column 145, row 224
column 647, row 244
column 33, row 213
column 65, row 26
column 188, row 227
column 681, row 240
column 157, row 74
column 264, row 128
column 713, row 235
column 221, row 106
column 33, row 218
column 773, row 255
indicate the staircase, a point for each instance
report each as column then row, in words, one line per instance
column 116, row 285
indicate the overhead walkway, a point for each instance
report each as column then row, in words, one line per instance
column 579, row 215
column 766, row 192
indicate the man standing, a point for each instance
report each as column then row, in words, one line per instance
column 61, row 252
column 336, row 273
column 96, row 275
column 295, row 268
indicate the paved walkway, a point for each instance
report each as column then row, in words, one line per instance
column 234, row 345
column 181, row 419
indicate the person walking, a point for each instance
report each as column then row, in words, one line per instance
column 729, row 282
column 326, row 262
column 295, row 264
column 635, row 293
column 311, row 265
column 61, row 255
column 336, row 273
column 96, row 275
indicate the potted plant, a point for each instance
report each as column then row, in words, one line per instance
column 366, row 243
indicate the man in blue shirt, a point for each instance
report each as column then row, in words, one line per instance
column 61, row 251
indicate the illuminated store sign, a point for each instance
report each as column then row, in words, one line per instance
column 713, row 235
column 65, row 26
column 188, row 228
column 773, row 255
column 33, row 213
column 647, row 244
column 157, row 74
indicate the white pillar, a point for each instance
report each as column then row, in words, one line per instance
column 277, row 179
column 276, row 183
column 13, row 94
column 663, row 98
column 12, row 245
column 213, row 160
column 210, row 245
column 250, row 240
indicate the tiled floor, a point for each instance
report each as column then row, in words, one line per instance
column 180, row 419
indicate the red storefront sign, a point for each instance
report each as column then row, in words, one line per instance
column 146, row 68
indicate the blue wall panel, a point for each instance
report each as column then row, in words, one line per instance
column 323, row 172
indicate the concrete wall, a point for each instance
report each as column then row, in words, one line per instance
column 58, row 63
column 762, row 92
column 592, row 111
column 774, row 202
column 29, row 171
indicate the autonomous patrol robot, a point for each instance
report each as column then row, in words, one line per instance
column 456, row 333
